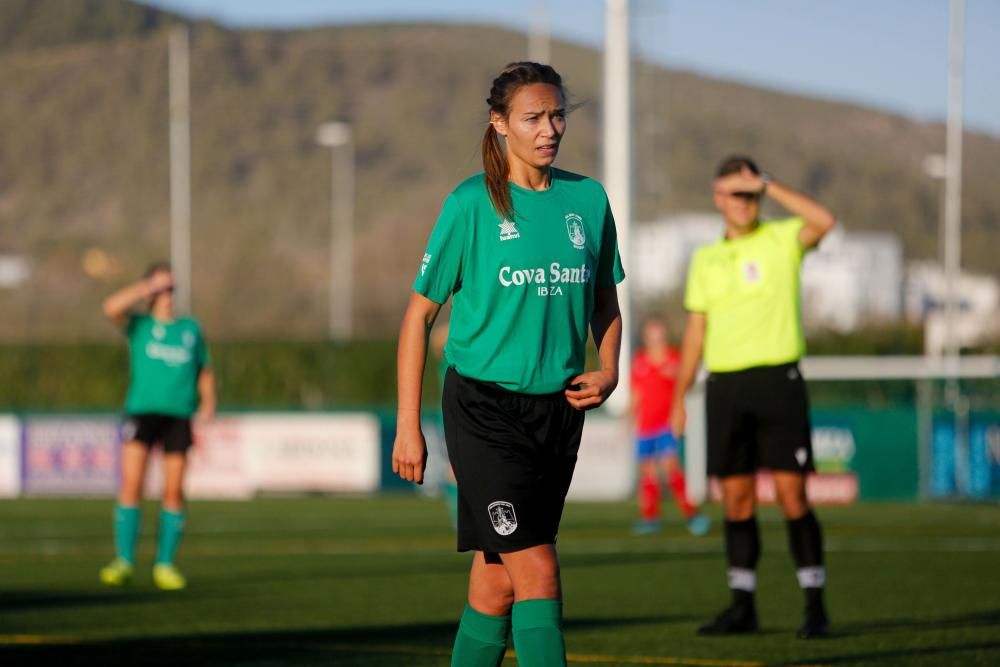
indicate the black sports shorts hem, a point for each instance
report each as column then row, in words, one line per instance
column 758, row 418
column 513, row 456
column 173, row 433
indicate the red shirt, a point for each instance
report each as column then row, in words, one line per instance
column 654, row 384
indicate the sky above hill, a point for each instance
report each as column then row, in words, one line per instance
column 888, row 54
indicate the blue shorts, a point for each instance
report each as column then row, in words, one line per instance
column 658, row 445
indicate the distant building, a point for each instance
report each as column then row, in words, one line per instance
column 14, row 270
column 978, row 306
column 852, row 278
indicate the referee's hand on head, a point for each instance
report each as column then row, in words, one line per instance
column 591, row 389
column 409, row 453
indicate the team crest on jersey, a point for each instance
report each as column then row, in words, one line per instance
column 576, row 231
column 188, row 339
column 751, row 272
column 508, row 231
column 503, row 517
column 158, row 331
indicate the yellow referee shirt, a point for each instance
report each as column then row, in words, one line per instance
column 748, row 288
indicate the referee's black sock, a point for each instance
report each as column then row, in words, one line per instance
column 805, row 541
column 742, row 554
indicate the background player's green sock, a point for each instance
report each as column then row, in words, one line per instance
column 171, row 529
column 538, row 637
column 451, row 500
column 481, row 640
column 126, row 521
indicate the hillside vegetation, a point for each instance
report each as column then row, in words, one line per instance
column 84, row 159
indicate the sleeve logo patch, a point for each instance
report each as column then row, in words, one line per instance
column 424, row 263
column 503, row 517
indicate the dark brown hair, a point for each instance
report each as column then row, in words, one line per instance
column 495, row 163
column 156, row 267
column 734, row 164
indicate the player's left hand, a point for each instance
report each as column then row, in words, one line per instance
column 595, row 387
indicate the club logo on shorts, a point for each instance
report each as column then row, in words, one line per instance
column 503, row 517
column 801, row 455
column 508, row 231
column 576, row 231
column 129, row 430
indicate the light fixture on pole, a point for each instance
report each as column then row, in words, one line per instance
column 337, row 136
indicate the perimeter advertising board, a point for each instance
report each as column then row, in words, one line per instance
column 70, row 455
column 10, row 456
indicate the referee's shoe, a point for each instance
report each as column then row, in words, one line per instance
column 738, row 618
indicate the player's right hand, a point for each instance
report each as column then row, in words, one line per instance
column 409, row 455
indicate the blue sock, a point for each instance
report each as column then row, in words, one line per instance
column 171, row 529
column 126, row 525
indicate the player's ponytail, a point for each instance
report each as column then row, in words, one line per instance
column 495, row 165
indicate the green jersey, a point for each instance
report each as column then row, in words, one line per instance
column 748, row 288
column 523, row 288
column 166, row 359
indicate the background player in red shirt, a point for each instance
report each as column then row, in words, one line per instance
column 654, row 374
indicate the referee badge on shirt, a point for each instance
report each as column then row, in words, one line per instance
column 503, row 517
column 751, row 272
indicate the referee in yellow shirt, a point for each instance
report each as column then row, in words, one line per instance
column 742, row 299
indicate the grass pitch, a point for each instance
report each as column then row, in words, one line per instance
column 375, row 581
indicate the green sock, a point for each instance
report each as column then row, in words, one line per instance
column 451, row 500
column 126, row 523
column 171, row 529
column 538, row 636
column 481, row 640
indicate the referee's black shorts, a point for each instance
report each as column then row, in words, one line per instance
column 758, row 418
column 513, row 455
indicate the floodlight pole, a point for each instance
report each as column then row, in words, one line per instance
column 180, row 166
column 539, row 50
column 338, row 137
column 953, row 179
column 618, row 170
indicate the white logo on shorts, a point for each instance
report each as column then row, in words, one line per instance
column 503, row 517
column 129, row 430
column 801, row 455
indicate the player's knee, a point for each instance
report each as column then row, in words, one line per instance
column 493, row 597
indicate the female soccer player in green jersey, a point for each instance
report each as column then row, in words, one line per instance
column 170, row 377
column 528, row 254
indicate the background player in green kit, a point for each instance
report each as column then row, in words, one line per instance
column 528, row 254
column 169, row 374
column 742, row 298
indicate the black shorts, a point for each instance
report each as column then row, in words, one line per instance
column 758, row 418
column 174, row 433
column 513, row 455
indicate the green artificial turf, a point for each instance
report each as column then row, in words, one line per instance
column 376, row 581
